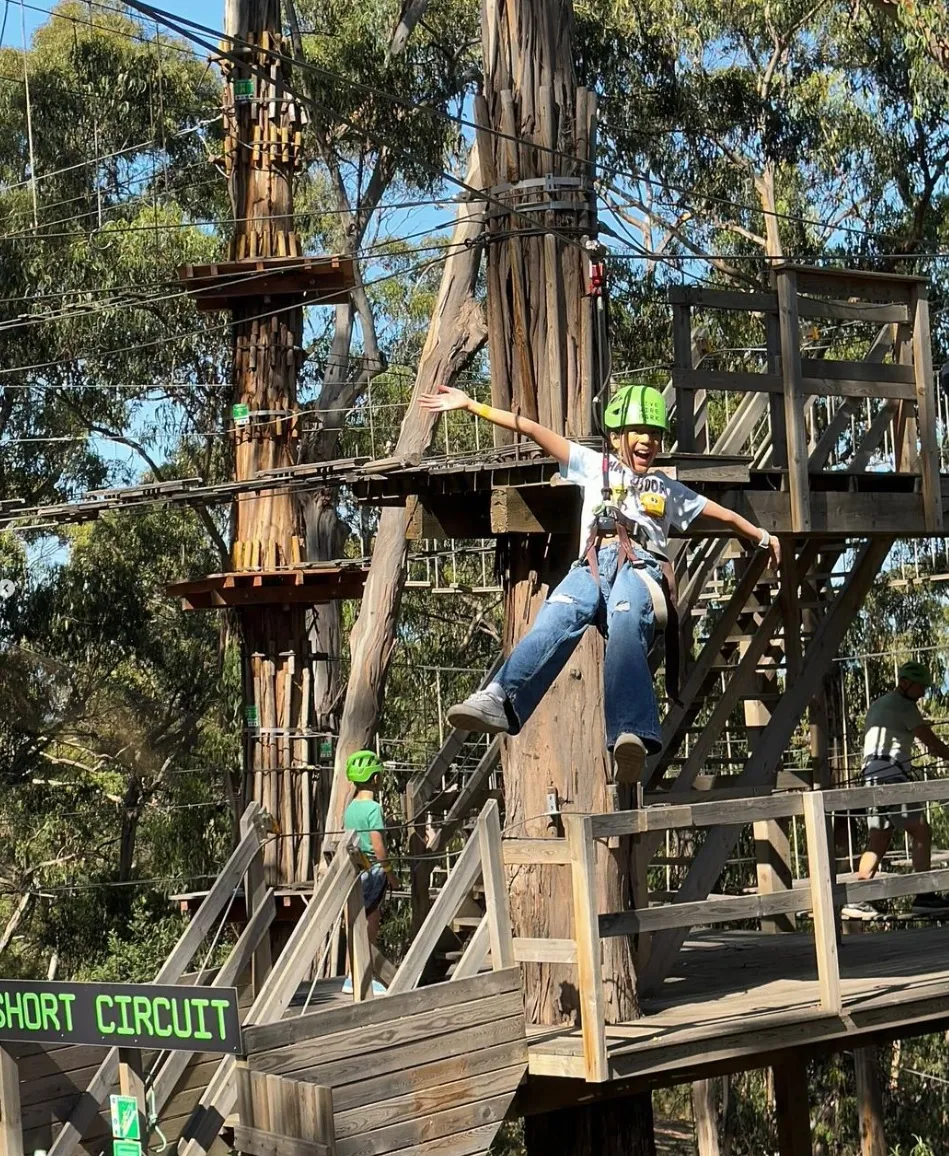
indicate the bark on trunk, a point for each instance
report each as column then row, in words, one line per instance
column 542, row 326
column 456, row 333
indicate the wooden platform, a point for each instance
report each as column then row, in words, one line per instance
column 318, row 280
column 309, row 585
column 736, row 999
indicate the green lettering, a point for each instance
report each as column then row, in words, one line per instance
column 220, row 1006
column 103, row 1001
column 123, row 1002
column 32, row 1015
column 181, row 1033
column 202, row 1033
column 142, row 1009
column 49, row 1004
column 163, row 1004
column 67, row 1002
column 14, row 1009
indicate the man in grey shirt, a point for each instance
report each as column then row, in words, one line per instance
column 893, row 724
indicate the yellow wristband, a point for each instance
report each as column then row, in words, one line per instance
column 480, row 410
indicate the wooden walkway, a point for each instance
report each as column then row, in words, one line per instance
column 734, row 1000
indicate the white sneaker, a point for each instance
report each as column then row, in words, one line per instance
column 629, row 758
column 482, row 712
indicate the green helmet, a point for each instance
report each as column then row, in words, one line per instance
column 362, row 765
column 914, row 671
column 636, row 405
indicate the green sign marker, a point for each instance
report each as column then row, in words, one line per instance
column 126, row 1148
column 125, row 1118
column 244, row 89
column 122, row 1015
column 240, row 413
column 252, row 715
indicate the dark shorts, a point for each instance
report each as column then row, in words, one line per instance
column 897, row 817
column 373, row 887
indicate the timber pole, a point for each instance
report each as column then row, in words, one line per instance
column 537, row 139
column 260, row 156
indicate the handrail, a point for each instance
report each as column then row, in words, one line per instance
column 818, row 893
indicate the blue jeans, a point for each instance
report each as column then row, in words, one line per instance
column 620, row 606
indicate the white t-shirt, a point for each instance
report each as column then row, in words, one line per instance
column 653, row 501
column 888, row 730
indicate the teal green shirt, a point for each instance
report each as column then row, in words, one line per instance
column 364, row 815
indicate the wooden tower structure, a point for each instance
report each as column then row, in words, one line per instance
column 264, row 286
column 438, row 1063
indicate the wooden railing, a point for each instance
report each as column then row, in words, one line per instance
column 791, row 382
column 820, row 894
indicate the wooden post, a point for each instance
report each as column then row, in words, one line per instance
column 255, row 894
column 495, row 888
column 132, row 1083
column 820, row 869
column 357, row 943
column 793, row 400
column 792, row 1106
column 579, row 832
column 705, row 1115
column 926, row 410
column 779, row 433
column 685, row 395
column 869, row 1102
column 11, row 1129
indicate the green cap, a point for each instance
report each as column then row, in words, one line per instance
column 636, row 405
column 914, row 671
column 362, row 765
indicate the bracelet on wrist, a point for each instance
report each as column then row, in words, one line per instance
column 764, row 542
column 479, row 409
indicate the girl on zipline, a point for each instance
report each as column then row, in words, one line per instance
column 616, row 582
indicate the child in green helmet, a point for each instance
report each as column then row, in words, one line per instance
column 364, row 815
column 628, row 512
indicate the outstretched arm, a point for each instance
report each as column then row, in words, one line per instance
column 447, row 398
column 743, row 528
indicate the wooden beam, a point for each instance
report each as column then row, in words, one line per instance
column 545, row 950
column 763, row 761
column 821, row 872
column 792, row 375
column 869, row 1102
column 809, row 307
column 495, row 888
column 475, row 953
column 357, row 943
column 11, row 1129
column 792, row 1107
column 255, row 895
column 462, row 878
column 132, row 1083
column 541, row 509
column 579, row 830
column 926, row 410
column 682, row 354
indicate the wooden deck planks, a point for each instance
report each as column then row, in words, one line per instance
column 744, row 995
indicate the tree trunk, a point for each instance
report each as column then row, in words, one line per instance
column 705, row 1112
column 455, row 334
column 267, row 526
column 543, row 344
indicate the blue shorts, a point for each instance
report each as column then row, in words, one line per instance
column 374, row 885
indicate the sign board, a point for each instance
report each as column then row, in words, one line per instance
column 125, row 1118
column 244, row 89
column 126, row 1148
column 129, row 1015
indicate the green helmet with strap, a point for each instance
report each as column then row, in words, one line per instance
column 917, row 672
column 636, row 405
column 362, row 765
